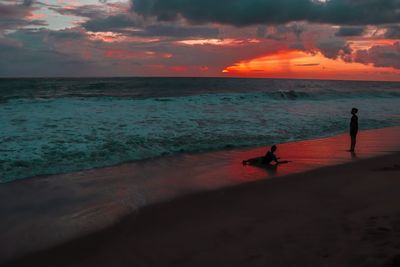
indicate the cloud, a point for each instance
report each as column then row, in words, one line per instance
column 334, row 48
column 180, row 31
column 14, row 23
column 124, row 23
column 308, row 65
column 33, row 57
column 346, row 31
column 13, row 11
column 31, row 53
column 14, row 15
column 253, row 12
column 158, row 37
column 380, row 56
column 392, row 32
column 280, row 32
column 86, row 11
column 28, row 2
column 111, row 23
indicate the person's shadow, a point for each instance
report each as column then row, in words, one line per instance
column 354, row 155
column 272, row 169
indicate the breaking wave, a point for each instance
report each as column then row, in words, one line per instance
column 48, row 130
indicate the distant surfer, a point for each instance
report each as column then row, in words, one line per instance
column 353, row 129
column 266, row 160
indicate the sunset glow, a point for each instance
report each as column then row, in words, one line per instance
column 220, row 42
column 134, row 38
column 298, row 64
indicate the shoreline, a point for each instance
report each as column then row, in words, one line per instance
column 319, row 217
column 48, row 211
column 180, row 154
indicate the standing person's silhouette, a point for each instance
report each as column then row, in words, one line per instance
column 353, row 129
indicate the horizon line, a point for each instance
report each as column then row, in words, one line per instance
column 191, row 77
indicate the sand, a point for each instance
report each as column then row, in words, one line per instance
column 345, row 215
column 170, row 217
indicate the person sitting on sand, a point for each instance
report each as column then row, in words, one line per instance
column 266, row 160
column 353, row 129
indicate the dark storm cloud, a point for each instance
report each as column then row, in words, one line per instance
column 251, row 12
column 13, row 10
column 111, row 23
column 34, row 53
column 334, row 48
column 346, row 31
column 14, row 15
column 380, row 56
column 180, row 32
column 28, row 2
column 120, row 23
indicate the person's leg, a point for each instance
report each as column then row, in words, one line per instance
column 353, row 142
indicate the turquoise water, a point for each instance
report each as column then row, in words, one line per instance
column 54, row 126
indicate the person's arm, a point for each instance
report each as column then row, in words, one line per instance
column 356, row 124
column 278, row 161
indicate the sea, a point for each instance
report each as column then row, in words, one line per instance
column 60, row 125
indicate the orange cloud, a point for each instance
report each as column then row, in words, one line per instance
column 299, row 64
column 367, row 44
column 107, row 37
column 219, row 42
column 34, row 16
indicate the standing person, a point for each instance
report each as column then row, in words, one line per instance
column 353, row 129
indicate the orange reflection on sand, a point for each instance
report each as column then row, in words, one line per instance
column 299, row 64
column 311, row 154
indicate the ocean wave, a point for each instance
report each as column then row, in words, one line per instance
column 56, row 126
column 275, row 95
column 167, row 88
column 70, row 134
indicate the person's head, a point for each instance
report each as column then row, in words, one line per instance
column 273, row 148
column 354, row 111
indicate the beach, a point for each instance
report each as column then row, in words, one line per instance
column 328, row 208
column 152, row 133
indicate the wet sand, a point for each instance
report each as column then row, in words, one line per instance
column 347, row 215
column 342, row 215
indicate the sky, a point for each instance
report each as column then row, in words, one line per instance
column 304, row 39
